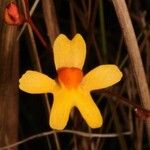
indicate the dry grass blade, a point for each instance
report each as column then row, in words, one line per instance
column 8, row 85
column 134, row 54
column 50, row 19
column 31, row 12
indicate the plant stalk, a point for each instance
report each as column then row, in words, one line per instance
column 134, row 55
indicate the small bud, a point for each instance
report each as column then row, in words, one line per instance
column 12, row 15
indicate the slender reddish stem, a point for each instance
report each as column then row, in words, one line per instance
column 38, row 34
column 136, row 107
column 33, row 26
column 27, row 8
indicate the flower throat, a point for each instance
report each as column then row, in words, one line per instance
column 70, row 77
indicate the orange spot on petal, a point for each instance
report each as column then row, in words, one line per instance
column 70, row 77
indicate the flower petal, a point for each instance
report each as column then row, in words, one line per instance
column 89, row 110
column 69, row 53
column 101, row 77
column 35, row 82
column 62, row 105
column 65, row 100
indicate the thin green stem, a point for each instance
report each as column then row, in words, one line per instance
column 102, row 29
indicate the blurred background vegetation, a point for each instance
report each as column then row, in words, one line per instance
column 23, row 115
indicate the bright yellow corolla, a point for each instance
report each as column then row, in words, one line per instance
column 71, row 88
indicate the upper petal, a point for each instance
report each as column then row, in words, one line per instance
column 101, row 77
column 69, row 53
column 35, row 82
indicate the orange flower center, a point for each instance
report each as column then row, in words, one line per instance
column 70, row 77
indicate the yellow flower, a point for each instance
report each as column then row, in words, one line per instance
column 71, row 88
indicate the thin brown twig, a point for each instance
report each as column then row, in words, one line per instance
column 33, row 26
column 33, row 7
column 80, row 133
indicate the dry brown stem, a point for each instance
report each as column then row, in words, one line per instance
column 50, row 19
column 8, row 85
column 134, row 54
